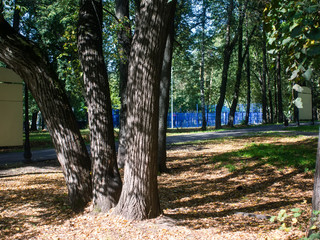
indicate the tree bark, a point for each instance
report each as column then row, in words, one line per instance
column 315, row 216
column 139, row 198
column 27, row 61
column 229, row 46
column 124, row 40
column 165, row 84
column 34, row 121
column 105, row 175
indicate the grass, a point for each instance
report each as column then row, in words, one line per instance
column 308, row 128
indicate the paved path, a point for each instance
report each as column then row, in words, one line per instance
column 49, row 154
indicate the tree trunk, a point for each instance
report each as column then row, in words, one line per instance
column 27, row 61
column 139, row 198
column 264, row 78
column 105, row 175
column 203, row 105
column 280, row 109
column 34, row 121
column 165, row 84
column 229, row 46
column 270, row 100
column 241, row 59
column 248, row 90
column 315, row 216
column 124, row 40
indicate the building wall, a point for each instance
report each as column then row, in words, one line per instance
column 11, row 113
column 305, row 113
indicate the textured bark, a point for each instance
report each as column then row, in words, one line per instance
column 315, row 218
column 105, row 175
column 124, row 40
column 139, row 198
column 229, row 46
column 27, row 61
column 165, row 84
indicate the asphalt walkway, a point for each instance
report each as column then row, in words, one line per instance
column 50, row 154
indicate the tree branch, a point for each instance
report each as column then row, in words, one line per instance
column 112, row 14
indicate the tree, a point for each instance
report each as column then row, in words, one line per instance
column 124, row 40
column 27, row 60
column 228, row 49
column 139, row 197
column 165, row 84
column 105, row 175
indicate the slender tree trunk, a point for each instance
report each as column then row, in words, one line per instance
column 139, row 198
column 27, row 61
column 124, row 40
column 226, row 64
column 165, row 83
column 248, row 90
column 241, row 59
column 264, row 78
column 203, row 105
column 280, row 109
column 105, row 175
column 270, row 100
column 34, row 121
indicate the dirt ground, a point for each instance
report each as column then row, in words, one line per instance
column 203, row 197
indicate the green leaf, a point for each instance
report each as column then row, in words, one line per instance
column 273, row 218
column 314, row 34
column 285, row 41
column 298, row 102
column 296, row 31
column 307, row 74
column 313, row 51
column 294, row 74
column 271, row 40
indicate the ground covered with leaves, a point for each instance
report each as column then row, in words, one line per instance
column 219, row 189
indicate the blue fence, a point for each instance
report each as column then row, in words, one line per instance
column 183, row 120
column 194, row 119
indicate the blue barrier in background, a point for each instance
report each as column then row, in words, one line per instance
column 194, row 119
column 183, row 120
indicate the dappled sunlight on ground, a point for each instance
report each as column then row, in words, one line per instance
column 207, row 186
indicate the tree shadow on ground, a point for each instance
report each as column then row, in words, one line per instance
column 32, row 200
column 208, row 189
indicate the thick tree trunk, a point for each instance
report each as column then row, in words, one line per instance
column 105, row 175
column 315, row 216
column 229, row 46
column 139, row 198
column 27, row 61
column 165, row 84
column 124, row 40
column 279, row 87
